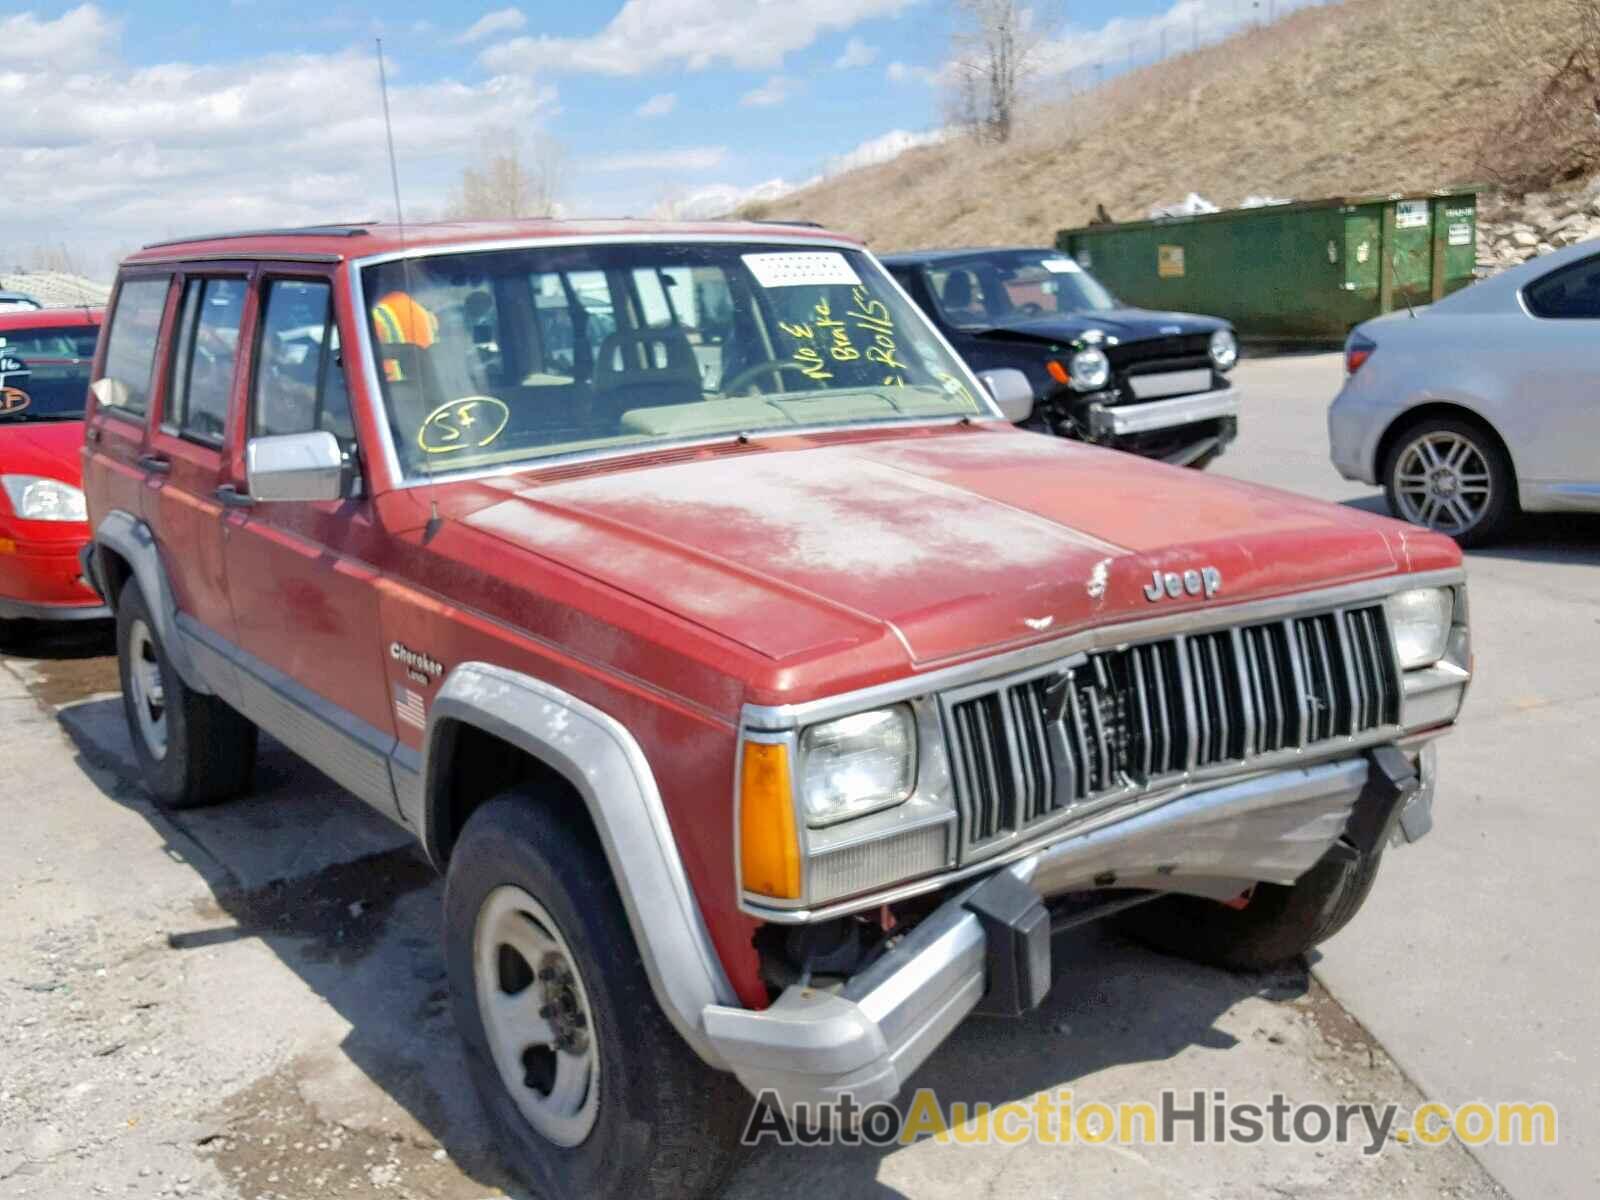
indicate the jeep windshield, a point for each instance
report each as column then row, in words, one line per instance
column 997, row 286
column 496, row 357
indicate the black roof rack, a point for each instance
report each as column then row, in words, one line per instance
column 352, row 229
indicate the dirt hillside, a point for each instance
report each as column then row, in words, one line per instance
column 1363, row 96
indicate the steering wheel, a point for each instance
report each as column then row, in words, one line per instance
column 1031, row 309
column 772, row 366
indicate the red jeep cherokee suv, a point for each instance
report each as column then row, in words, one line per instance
column 763, row 693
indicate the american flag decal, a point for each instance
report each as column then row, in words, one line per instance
column 409, row 708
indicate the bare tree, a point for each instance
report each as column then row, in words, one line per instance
column 998, row 46
column 512, row 178
column 1553, row 135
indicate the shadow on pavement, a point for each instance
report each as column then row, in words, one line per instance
column 342, row 899
column 1531, row 537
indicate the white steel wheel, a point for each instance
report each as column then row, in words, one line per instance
column 1443, row 480
column 536, row 1014
column 148, row 690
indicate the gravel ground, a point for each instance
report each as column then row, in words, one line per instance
column 250, row 1003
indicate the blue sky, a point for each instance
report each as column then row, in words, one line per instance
column 129, row 122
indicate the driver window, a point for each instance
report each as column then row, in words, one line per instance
column 300, row 384
column 204, row 357
column 960, row 294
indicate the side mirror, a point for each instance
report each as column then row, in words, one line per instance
column 294, row 466
column 1011, row 391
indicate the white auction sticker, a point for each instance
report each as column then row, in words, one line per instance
column 821, row 268
column 1411, row 214
column 1061, row 266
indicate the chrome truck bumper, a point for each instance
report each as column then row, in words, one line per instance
column 1124, row 419
column 989, row 945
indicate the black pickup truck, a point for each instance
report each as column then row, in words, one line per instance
column 1153, row 383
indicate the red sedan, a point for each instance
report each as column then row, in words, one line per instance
column 45, row 359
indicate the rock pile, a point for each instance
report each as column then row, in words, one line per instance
column 1513, row 229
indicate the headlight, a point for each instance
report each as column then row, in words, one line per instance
column 35, row 498
column 857, row 765
column 1224, row 350
column 1420, row 623
column 1090, row 370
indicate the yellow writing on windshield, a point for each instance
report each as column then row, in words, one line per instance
column 864, row 333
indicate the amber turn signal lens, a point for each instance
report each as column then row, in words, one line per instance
column 1057, row 372
column 769, row 847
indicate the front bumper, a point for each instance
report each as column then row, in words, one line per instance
column 812, row 1046
column 42, row 579
column 1125, row 420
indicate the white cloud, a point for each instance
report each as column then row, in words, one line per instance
column 77, row 38
column 881, row 149
column 901, row 72
column 856, row 54
column 690, row 158
column 648, row 35
column 108, row 158
column 658, row 105
column 1140, row 40
column 491, row 24
column 775, row 90
column 720, row 199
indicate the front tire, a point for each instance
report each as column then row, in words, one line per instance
column 1277, row 924
column 192, row 748
column 590, row 1088
column 1450, row 476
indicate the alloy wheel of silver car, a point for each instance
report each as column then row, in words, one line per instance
column 536, row 1014
column 1443, row 480
column 149, row 692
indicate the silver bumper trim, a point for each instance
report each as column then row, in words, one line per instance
column 1163, row 414
column 812, row 1045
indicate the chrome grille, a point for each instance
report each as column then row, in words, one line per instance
column 1079, row 735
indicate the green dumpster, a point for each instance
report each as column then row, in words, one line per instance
column 1303, row 272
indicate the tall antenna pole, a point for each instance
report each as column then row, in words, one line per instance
column 388, row 133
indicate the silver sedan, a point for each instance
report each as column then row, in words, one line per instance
column 1482, row 405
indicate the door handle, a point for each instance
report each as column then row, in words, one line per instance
column 232, row 497
column 156, row 464
column 92, row 434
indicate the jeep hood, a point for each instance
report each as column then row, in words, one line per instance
column 954, row 541
column 1124, row 324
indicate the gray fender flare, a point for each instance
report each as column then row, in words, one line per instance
column 133, row 540
column 608, row 769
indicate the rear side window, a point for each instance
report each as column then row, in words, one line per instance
column 131, row 345
column 1572, row 293
column 204, row 357
column 300, row 384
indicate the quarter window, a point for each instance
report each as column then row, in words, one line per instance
column 1572, row 293
column 131, row 345
column 300, row 386
column 203, row 361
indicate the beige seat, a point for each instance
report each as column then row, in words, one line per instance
column 645, row 369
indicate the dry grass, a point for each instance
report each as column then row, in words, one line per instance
column 1364, row 96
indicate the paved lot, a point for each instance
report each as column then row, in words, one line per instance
column 1476, row 962
column 249, row 1001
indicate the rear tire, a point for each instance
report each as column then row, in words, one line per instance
column 1450, row 476
column 663, row 1124
column 1277, row 925
column 192, row 748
